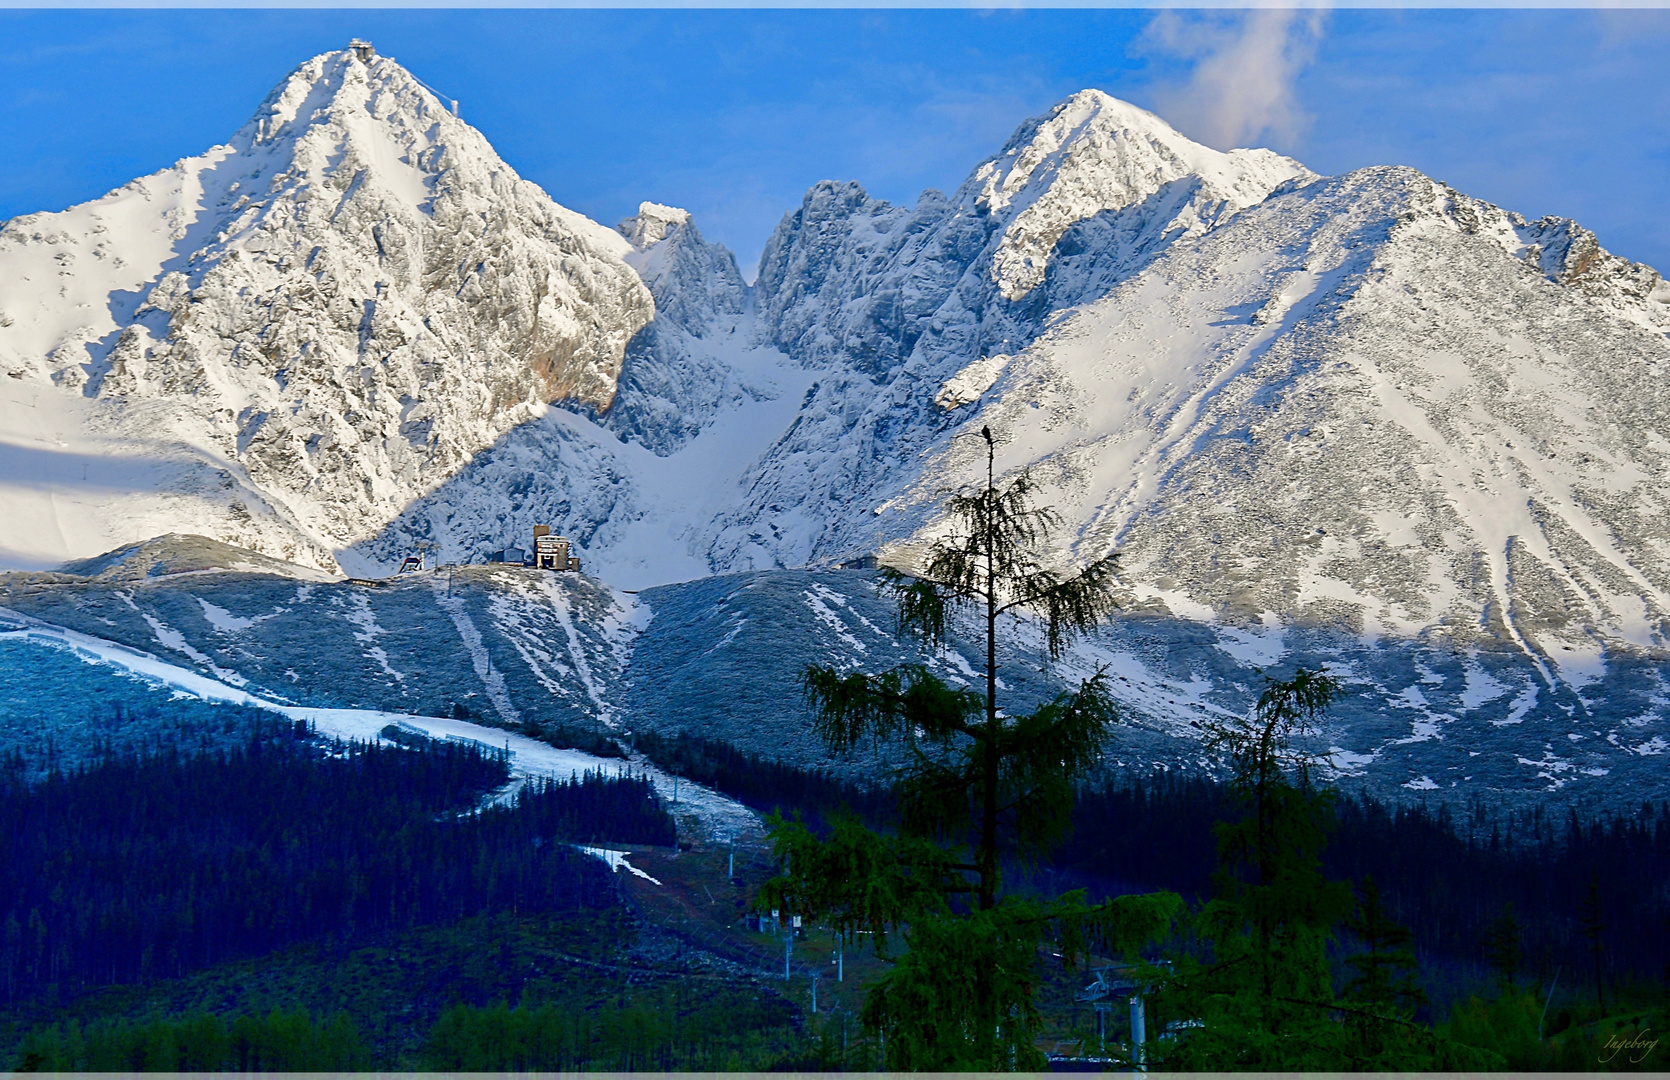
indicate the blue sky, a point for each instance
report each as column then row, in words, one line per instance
column 732, row 114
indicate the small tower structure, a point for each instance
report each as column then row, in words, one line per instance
column 549, row 552
column 363, row 50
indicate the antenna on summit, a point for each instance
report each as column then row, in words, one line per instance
column 363, row 50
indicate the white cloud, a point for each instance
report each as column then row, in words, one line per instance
column 1241, row 85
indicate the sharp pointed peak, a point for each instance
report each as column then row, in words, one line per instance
column 1102, row 101
column 353, row 76
column 1091, row 110
column 1091, row 153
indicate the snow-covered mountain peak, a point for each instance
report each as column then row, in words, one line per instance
column 333, row 311
column 1043, row 143
column 1075, row 201
column 338, row 112
column 1094, row 153
column 695, row 283
column 651, row 224
column 328, row 89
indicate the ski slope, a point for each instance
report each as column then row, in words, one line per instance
column 721, row 819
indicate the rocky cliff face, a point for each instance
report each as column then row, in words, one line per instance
column 674, row 380
column 341, row 305
column 1369, row 401
column 637, row 484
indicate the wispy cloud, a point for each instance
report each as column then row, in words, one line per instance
column 1240, row 86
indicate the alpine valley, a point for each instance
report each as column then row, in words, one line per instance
column 1364, row 421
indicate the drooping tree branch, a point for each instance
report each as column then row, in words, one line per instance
column 976, row 784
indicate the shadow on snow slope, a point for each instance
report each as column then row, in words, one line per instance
column 723, row 657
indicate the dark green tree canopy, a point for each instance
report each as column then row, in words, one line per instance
column 976, row 784
column 1384, row 972
column 1502, row 946
column 990, row 564
column 973, row 774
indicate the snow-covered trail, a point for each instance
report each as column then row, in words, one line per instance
column 720, row 818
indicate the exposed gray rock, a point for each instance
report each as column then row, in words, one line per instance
column 723, row 657
column 675, row 378
column 343, row 304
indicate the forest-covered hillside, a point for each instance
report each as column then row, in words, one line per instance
column 192, row 884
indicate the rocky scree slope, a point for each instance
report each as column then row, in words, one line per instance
column 1368, row 402
column 523, row 649
column 561, row 658
column 1421, row 719
column 331, row 313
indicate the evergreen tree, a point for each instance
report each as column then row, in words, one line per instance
column 1502, row 946
column 975, row 773
column 1383, row 982
column 1385, row 969
column 1593, row 926
column 977, row 785
column 1265, row 994
column 1287, row 904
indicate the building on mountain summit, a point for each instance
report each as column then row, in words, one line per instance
column 551, row 552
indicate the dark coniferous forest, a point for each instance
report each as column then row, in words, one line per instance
column 1448, row 878
column 153, row 859
column 149, row 866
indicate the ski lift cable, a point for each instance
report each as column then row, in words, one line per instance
column 369, row 55
column 440, row 97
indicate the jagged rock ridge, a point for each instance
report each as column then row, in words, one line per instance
column 1366, row 400
column 1363, row 420
column 672, row 383
column 1197, row 351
